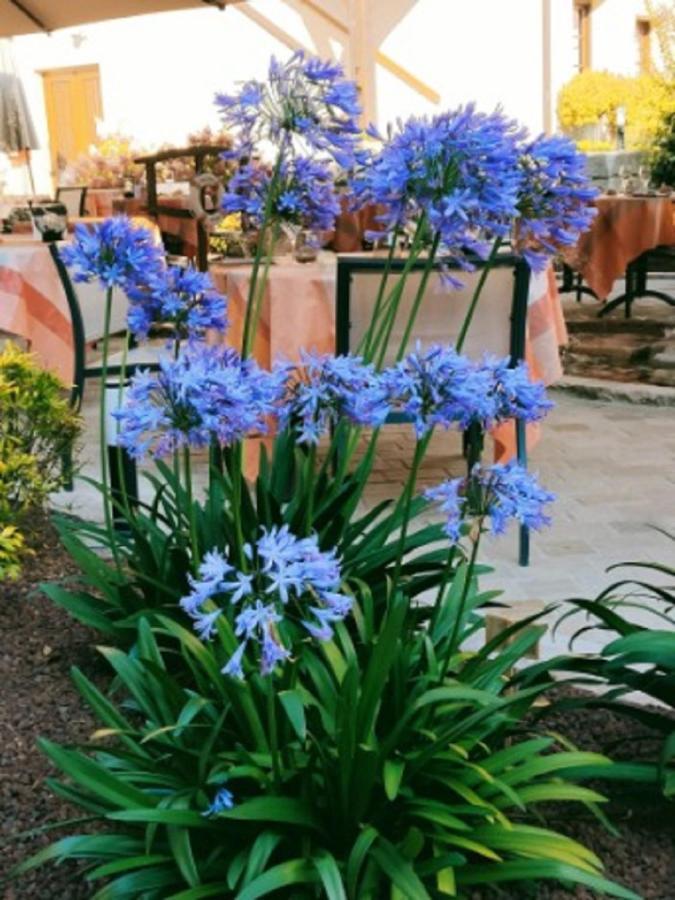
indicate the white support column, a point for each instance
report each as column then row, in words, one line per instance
column 361, row 57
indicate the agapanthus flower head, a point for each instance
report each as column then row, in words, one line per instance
column 514, row 394
column 305, row 104
column 554, row 198
column 116, row 253
column 458, row 169
column 304, row 194
column 439, row 387
column 290, row 581
column 206, row 393
column 326, row 388
column 451, row 500
column 180, row 296
column 222, row 801
column 500, row 492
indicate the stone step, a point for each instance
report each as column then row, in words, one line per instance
column 617, row 325
column 619, row 349
column 587, row 367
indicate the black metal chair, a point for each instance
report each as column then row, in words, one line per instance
column 74, row 198
column 86, row 316
column 440, row 319
column 661, row 261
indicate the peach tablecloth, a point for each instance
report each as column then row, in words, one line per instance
column 299, row 313
column 33, row 304
column 624, row 228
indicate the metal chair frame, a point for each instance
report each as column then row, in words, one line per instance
column 348, row 266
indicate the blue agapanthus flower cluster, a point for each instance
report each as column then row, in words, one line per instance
column 119, row 254
column 223, row 800
column 305, row 104
column 207, row 392
column 325, row 389
column 554, row 198
column 513, row 393
column 290, row 580
column 304, row 196
column 500, row 492
column 440, row 387
column 458, row 169
column 115, row 253
column 182, row 297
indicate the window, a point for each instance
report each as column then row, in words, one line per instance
column 583, row 16
column 644, row 39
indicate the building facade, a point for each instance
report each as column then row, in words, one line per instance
column 154, row 77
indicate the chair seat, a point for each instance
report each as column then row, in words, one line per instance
column 661, row 259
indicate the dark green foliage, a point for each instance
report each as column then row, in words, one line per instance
column 663, row 153
column 365, row 770
column 635, row 659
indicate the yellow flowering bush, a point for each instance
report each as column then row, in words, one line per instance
column 38, row 429
column 590, row 96
column 12, row 549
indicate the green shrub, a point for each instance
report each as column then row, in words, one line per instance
column 38, row 428
column 663, row 153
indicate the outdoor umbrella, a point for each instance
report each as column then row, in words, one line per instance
column 16, row 125
column 31, row 16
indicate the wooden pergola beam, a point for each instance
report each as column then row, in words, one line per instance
column 360, row 50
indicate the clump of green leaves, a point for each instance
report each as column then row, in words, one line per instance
column 376, row 765
column 38, row 428
column 636, row 658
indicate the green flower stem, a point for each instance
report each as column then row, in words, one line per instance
column 310, row 486
column 406, row 499
column 476, row 294
column 237, row 476
column 419, row 296
column 191, row 517
column 391, row 307
column 251, row 320
column 273, row 732
column 364, row 344
column 120, row 397
column 462, row 602
column 259, row 292
column 447, row 572
column 103, row 413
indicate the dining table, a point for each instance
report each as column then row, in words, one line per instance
column 298, row 313
column 625, row 227
column 34, row 308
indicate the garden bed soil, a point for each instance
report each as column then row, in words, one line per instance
column 38, row 645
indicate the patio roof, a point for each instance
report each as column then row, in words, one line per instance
column 35, row 16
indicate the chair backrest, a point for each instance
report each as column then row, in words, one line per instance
column 497, row 327
column 74, row 198
column 86, row 303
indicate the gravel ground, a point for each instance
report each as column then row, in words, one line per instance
column 39, row 644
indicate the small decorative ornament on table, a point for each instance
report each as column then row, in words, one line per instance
column 306, row 246
column 50, row 220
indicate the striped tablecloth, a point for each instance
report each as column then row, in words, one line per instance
column 33, row 305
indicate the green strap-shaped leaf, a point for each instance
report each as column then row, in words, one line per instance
column 399, row 870
column 330, row 876
column 295, row 871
